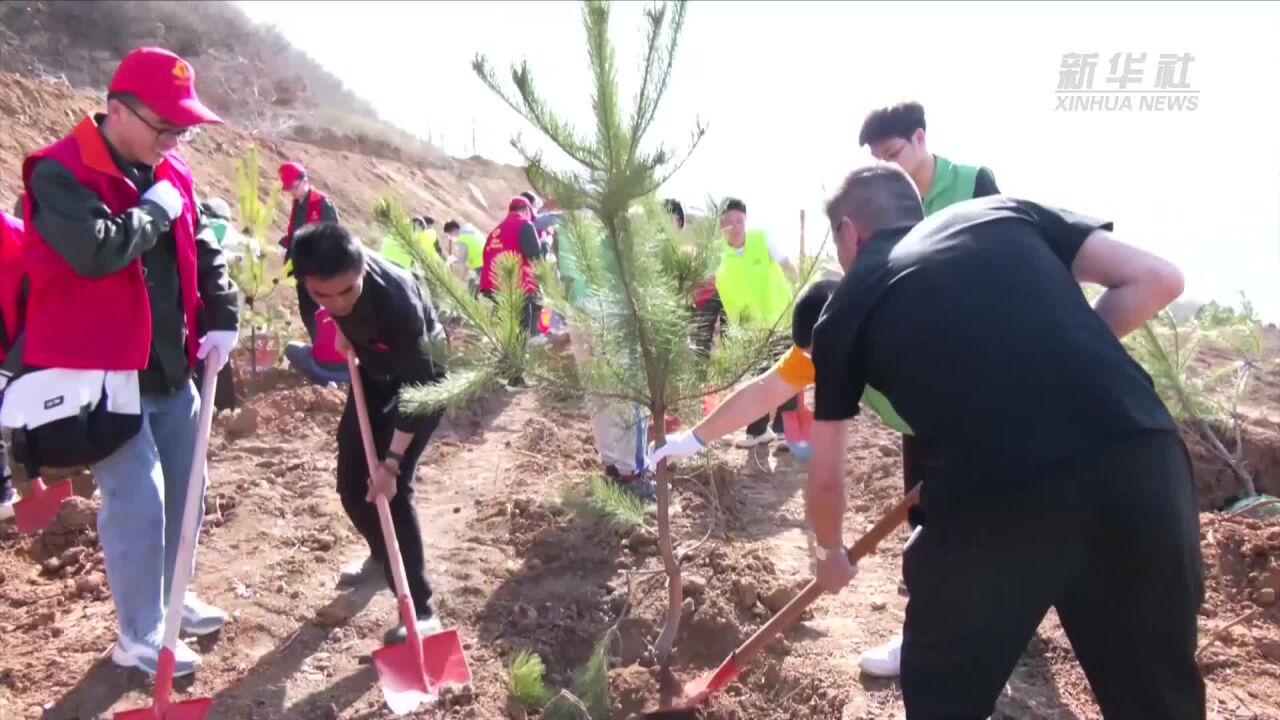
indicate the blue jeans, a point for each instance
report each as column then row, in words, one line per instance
column 144, row 489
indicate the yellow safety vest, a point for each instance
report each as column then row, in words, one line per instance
column 475, row 250
column 752, row 287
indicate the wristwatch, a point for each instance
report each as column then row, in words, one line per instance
column 397, row 457
column 822, row 553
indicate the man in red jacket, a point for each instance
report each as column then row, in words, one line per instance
column 516, row 234
column 121, row 265
column 309, row 206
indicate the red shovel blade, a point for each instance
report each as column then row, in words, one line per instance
column 37, row 510
column 404, row 687
column 185, row 710
column 715, row 681
column 797, row 424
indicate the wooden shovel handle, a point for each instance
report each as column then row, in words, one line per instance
column 788, row 615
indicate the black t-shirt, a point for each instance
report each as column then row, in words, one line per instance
column 973, row 326
column 387, row 328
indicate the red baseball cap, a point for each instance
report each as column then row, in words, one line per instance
column 519, row 202
column 290, row 172
column 163, row 82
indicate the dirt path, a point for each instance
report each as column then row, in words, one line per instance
column 513, row 570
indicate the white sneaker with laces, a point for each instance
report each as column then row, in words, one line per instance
column 130, row 653
column 199, row 617
column 750, row 441
column 883, row 661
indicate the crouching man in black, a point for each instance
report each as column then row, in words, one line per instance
column 382, row 314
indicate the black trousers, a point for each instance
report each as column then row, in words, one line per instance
column 758, row 426
column 1111, row 541
column 529, row 314
column 307, row 308
column 353, row 485
column 706, row 318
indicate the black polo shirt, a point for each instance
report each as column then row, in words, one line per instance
column 973, row 326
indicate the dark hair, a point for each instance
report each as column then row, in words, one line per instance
column 17, row 208
column 675, row 208
column 808, row 307
column 452, row 226
column 901, row 120
column 428, row 220
column 325, row 250
column 734, row 204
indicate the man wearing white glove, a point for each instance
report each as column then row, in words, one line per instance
column 792, row 374
column 126, row 277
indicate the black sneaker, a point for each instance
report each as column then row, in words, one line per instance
column 7, row 498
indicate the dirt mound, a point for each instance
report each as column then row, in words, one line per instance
column 1242, row 568
column 72, row 533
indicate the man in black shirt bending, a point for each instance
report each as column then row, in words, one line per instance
column 382, row 314
column 1055, row 476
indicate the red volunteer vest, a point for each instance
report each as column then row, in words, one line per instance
column 506, row 238
column 11, row 235
column 315, row 199
column 103, row 323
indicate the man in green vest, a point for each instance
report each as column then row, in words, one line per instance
column 897, row 135
column 754, row 284
column 468, row 252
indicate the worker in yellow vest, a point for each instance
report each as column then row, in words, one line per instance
column 395, row 252
column 468, row 252
column 754, row 282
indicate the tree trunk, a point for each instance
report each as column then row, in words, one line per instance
column 675, row 585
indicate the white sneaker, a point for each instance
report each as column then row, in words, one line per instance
column 750, row 441
column 883, row 661
column 199, row 617
column 6, row 503
column 128, row 653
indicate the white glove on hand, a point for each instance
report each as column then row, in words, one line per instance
column 166, row 196
column 679, row 445
column 223, row 340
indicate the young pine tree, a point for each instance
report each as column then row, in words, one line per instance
column 250, row 271
column 637, row 270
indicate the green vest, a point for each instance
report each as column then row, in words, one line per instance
column 396, row 253
column 752, row 287
column 475, row 250
column 952, row 183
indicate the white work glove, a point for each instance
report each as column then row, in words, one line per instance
column 679, row 445
column 223, row 340
column 166, row 196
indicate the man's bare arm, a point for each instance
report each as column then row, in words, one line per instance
column 1139, row 284
column 747, row 403
column 824, row 492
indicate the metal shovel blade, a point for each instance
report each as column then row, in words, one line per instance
column 404, row 687
column 38, row 509
column 185, row 710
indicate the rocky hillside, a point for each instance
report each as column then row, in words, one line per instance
column 57, row 57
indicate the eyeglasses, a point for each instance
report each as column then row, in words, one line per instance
column 166, row 133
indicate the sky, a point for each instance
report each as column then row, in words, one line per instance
column 783, row 89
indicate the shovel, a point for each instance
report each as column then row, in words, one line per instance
column 412, row 672
column 38, row 509
column 162, row 707
column 698, row 691
column 796, row 426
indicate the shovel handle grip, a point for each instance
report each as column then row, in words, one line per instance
column 789, row 614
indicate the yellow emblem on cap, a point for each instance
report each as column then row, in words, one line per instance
column 181, row 73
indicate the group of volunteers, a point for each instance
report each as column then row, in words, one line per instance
column 1051, row 474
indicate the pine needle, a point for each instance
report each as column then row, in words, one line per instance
column 525, row 680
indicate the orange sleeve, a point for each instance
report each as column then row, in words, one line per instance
column 796, row 368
